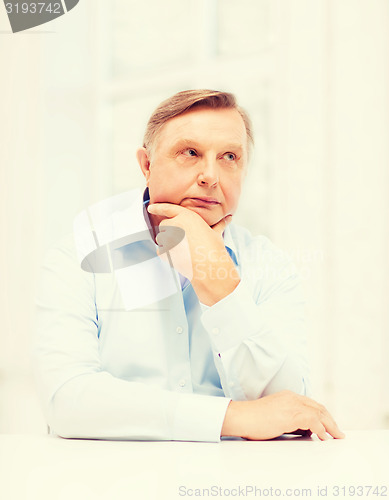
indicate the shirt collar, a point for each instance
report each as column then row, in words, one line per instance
column 131, row 219
column 230, row 244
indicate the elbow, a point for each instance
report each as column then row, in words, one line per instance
column 63, row 423
column 290, row 377
column 65, row 417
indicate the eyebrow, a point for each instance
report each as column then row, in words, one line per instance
column 192, row 143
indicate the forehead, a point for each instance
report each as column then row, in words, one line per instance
column 203, row 125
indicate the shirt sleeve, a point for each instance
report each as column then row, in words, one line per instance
column 79, row 398
column 257, row 332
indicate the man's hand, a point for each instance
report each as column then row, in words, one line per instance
column 202, row 256
column 277, row 414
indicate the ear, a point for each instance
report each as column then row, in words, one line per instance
column 143, row 157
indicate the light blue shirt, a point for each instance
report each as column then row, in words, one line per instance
column 133, row 354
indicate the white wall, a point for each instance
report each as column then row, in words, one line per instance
column 75, row 95
column 21, row 191
column 331, row 192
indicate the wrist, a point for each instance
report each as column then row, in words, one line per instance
column 232, row 425
column 215, row 284
column 211, row 293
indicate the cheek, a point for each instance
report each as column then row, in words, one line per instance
column 165, row 191
column 232, row 195
column 169, row 186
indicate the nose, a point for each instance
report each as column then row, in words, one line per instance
column 208, row 174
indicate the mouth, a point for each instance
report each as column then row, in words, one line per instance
column 204, row 201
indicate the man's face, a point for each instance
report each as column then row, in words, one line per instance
column 198, row 161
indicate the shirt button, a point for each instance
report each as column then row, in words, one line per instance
column 232, row 384
column 215, row 331
column 179, row 329
column 182, row 383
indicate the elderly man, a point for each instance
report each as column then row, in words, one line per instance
column 223, row 353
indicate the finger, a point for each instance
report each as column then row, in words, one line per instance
column 166, row 209
column 327, row 419
column 220, row 226
column 320, row 431
column 332, row 427
column 159, row 239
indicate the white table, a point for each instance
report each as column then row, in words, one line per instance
column 38, row 467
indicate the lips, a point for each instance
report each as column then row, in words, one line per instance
column 205, row 200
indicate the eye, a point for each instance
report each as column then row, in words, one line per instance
column 229, row 156
column 189, row 152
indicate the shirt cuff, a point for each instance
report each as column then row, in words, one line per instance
column 199, row 418
column 231, row 320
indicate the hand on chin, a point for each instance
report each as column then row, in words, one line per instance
column 210, row 218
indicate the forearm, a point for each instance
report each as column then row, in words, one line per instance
column 100, row 406
column 220, row 279
column 258, row 348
